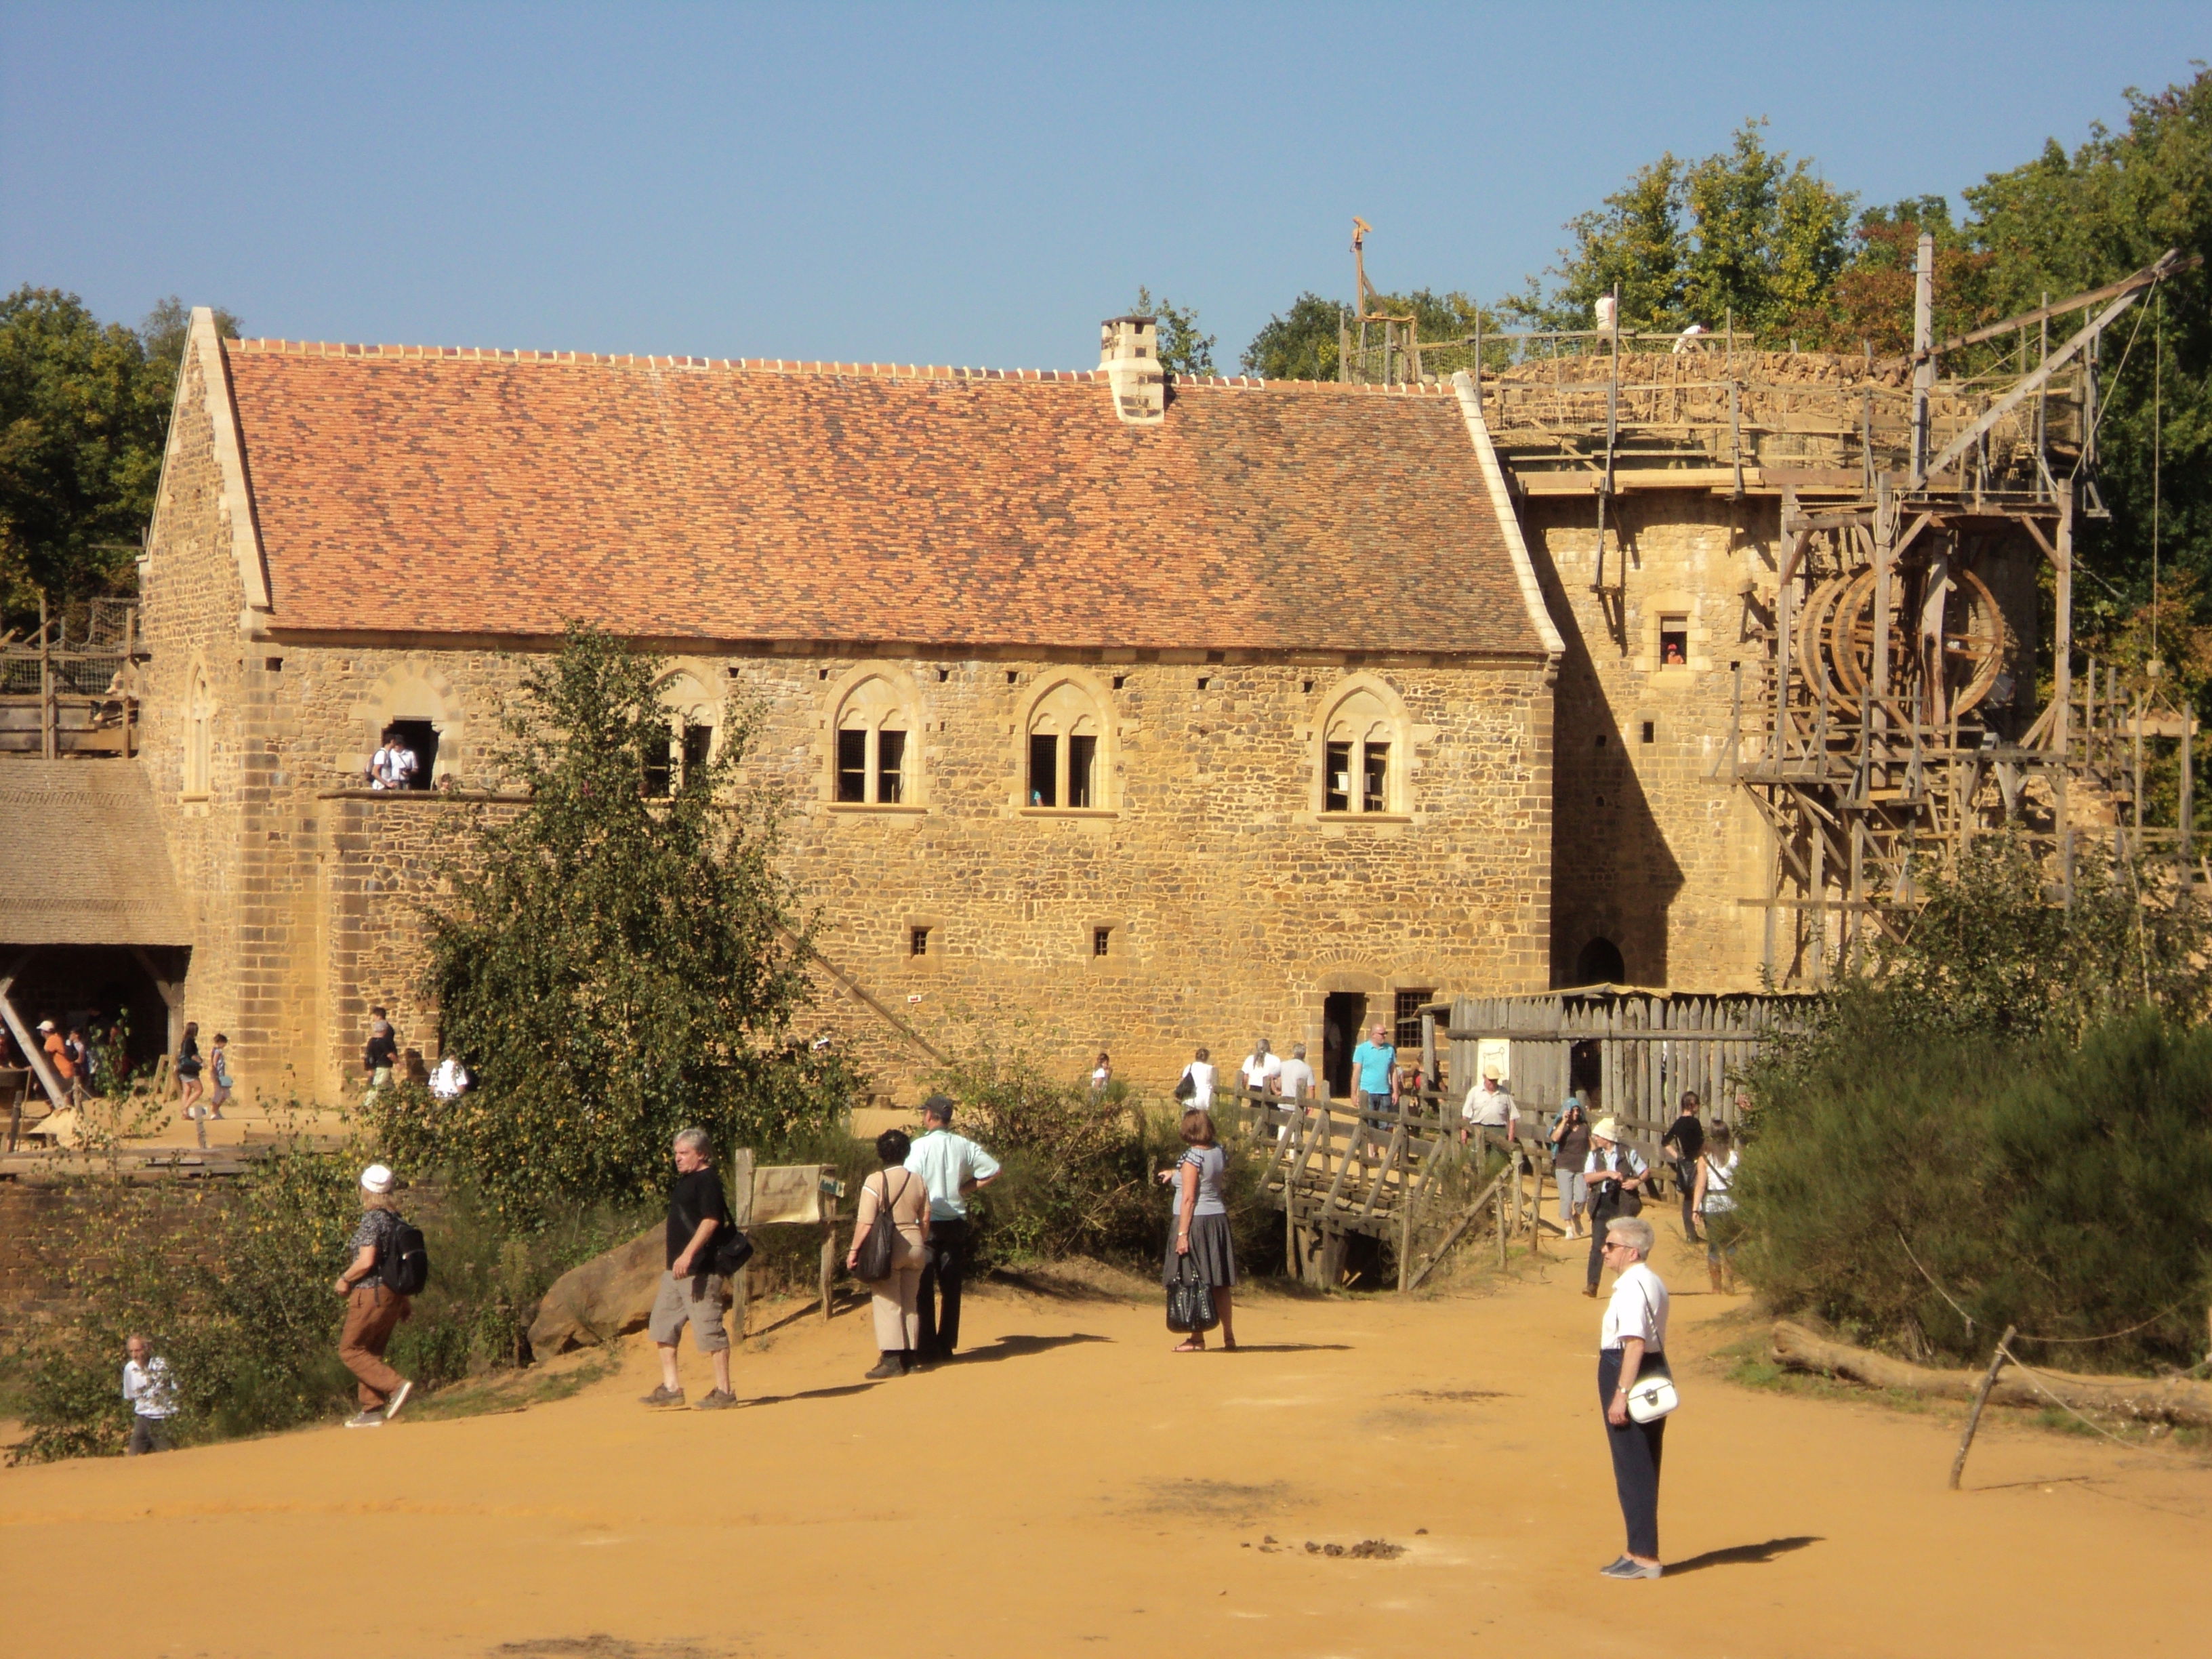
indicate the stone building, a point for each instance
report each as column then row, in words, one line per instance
column 1112, row 711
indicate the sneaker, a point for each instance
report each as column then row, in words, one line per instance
column 366, row 1420
column 1626, row 1568
column 720, row 1401
column 398, row 1398
column 663, row 1395
column 887, row 1366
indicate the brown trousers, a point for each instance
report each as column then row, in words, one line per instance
column 370, row 1317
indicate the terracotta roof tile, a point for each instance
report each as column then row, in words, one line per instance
column 456, row 490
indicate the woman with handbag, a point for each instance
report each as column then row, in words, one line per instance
column 1636, row 1388
column 1199, row 1250
column 887, row 1254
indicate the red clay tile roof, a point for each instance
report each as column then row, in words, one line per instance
column 482, row 493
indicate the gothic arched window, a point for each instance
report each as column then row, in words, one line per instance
column 875, row 756
column 1065, row 754
column 1363, row 755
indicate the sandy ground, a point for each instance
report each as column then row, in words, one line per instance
column 1070, row 1487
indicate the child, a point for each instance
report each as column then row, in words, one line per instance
column 219, row 1068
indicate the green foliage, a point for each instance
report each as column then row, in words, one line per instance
column 1299, row 345
column 1989, row 950
column 1183, row 350
column 2063, row 1190
column 1079, row 1177
column 84, row 411
column 611, row 967
column 1746, row 232
column 233, row 1288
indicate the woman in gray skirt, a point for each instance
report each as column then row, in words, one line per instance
column 1201, row 1225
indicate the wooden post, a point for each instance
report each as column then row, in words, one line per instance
column 829, row 1250
column 2061, row 680
column 49, row 740
column 1981, row 1399
column 1924, row 359
column 741, row 1216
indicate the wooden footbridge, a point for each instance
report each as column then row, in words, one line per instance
column 1419, row 1179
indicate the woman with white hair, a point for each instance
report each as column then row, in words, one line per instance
column 1632, row 1346
column 373, row 1310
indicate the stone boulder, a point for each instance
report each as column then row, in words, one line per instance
column 609, row 1296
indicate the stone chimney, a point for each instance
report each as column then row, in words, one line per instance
column 1129, row 352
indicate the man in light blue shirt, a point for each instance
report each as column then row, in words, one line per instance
column 952, row 1167
column 1374, row 1077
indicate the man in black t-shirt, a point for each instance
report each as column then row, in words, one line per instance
column 690, row 1291
column 1685, row 1140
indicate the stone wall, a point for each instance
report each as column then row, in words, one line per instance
column 1232, row 903
column 1653, row 842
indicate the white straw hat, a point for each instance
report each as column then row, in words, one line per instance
column 376, row 1178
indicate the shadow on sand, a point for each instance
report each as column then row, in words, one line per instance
column 1740, row 1555
column 1020, row 1347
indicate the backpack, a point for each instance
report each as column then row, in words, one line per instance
column 404, row 1261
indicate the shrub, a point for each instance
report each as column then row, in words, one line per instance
column 2066, row 1190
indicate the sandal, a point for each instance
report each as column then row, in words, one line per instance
column 1229, row 1345
column 1188, row 1345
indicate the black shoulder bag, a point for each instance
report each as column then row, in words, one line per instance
column 727, row 1251
column 1190, row 1299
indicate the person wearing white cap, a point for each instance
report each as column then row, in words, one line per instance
column 373, row 1310
column 1488, row 1106
column 1614, row 1174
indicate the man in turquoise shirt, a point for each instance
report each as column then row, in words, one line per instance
column 952, row 1167
column 1374, row 1077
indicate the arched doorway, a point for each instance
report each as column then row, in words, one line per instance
column 1600, row 963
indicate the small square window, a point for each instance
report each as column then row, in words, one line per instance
column 1674, row 642
column 821, row 673
column 1119, row 680
column 1013, row 677
column 1600, row 739
column 1650, row 731
column 1203, row 681
column 917, row 941
column 274, row 664
column 1102, row 939
column 943, row 675
column 1306, row 686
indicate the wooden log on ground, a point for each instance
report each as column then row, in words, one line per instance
column 2180, row 1401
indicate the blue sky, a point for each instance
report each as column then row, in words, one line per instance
column 948, row 184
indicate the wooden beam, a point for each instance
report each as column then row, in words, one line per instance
column 26, row 1039
column 2169, row 264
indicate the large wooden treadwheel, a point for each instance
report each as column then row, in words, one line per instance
column 1836, row 648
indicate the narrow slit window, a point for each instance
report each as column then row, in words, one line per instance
column 891, row 766
column 1338, row 794
column 1374, row 777
column 1102, row 939
column 660, row 766
column 1044, row 768
column 1082, row 753
column 851, row 766
column 1650, row 731
column 917, row 941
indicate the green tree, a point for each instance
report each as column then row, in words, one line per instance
column 2062, row 224
column 1183, row 350
column 1299, row 344
column 612, row 967
column 84, row 414
column 1633, row 243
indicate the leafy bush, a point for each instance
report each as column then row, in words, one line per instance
column 1080, row 1177
column 2067, row 1190
column 232, row 1284
column 612, row 967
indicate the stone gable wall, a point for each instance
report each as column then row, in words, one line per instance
column 1653, row 842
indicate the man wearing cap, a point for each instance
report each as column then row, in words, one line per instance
column 373, row 1310
column 1489, row 1107
column 1614, row 1174
column 952, row 1167
column 57, row 1052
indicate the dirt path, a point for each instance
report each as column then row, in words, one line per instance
column 1073, row 1488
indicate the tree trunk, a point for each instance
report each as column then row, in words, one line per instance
column 2182, row 1401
